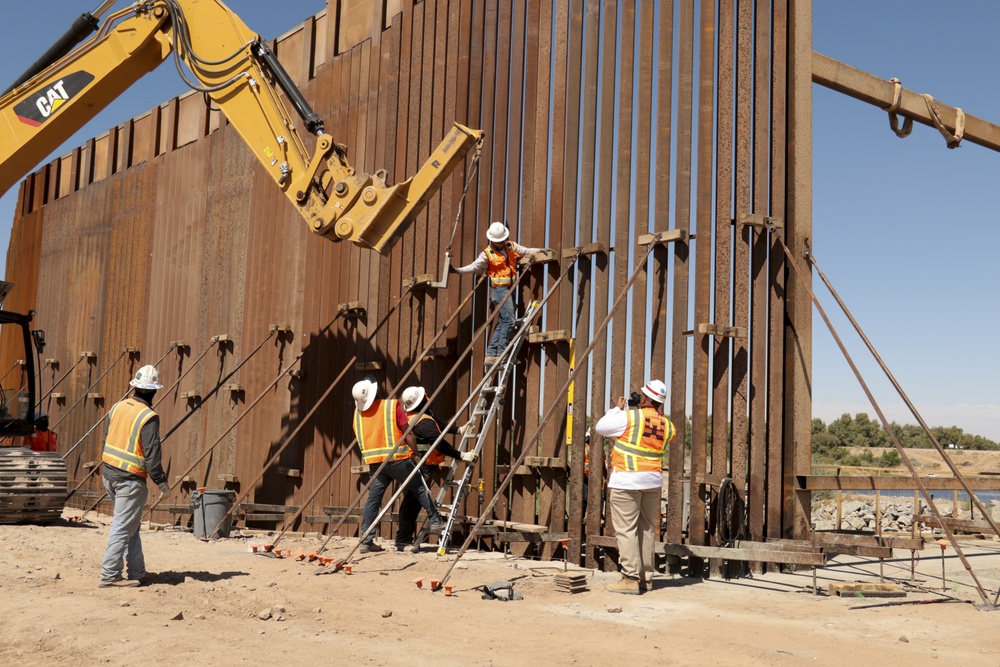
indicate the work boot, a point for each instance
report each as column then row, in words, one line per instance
column 145, row 579
column 400, row 546
column 626, row 586
column 436, row 521
column 490, row 360
column 119, row 583
column 371, row 548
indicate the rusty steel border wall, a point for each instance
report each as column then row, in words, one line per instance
column 165, row 230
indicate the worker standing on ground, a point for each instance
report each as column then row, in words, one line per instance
column 131, row 454
column 426, row 430
column 636, row 482
column 499, row 260
column 43, row 439
column 379, row 425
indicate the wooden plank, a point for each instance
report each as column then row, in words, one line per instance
column 521, row 536
column 862, row 483
column 964, row 525
column 757, row 555
column 520, row 527
column 262, row 507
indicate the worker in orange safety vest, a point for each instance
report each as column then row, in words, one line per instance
column 379, row 425
column 426, row 431
column 42, row 440
column 635, row 484
column 499, row 261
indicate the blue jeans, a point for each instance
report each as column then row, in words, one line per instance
column 414, row 497
column 505, row 321
column 129, row 497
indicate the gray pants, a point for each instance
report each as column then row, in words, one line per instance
column 129, row 497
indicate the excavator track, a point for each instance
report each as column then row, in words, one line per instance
column 33, row 486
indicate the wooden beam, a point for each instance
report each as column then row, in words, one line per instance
column 862, row 483
column 760, row 555
column 530, row 537
column 963, row 525
column 876, row 91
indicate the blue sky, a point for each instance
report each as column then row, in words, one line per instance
column 906, row 230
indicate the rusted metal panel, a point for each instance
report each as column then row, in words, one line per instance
column 776, row 275
column 703, row 270
column 759, row 326
column 585, row 502
column 660, row 323
column 192, row 118
column 623, row 205
column 355, row 23
column 605, row 149
column 798, row 226
column 731, row 97
column 742, row 236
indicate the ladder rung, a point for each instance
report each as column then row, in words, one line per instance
column 477, row 412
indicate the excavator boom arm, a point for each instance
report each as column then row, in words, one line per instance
column 233, row 66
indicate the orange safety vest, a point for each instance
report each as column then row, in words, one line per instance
column 43, row 441
column 640, row 447
column 436, row 456
column 377, row 432
column 123, row 446
column 502, row 269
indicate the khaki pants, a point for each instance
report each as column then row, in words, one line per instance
column 636, row 517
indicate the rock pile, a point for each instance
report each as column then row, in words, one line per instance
column 896, row 514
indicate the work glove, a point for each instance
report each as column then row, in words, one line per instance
column 464, row 427
column 164, row 489
column 469, row 457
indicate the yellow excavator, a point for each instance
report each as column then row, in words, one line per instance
column 217, row 54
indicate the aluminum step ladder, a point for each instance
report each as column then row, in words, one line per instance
column 488, row 403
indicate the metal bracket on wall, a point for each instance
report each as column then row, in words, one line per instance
column 423, row 280
column 589, row 249
column 663, row 238
column 716, row 330
column 351, row 308
column 555, row 336
column 543, row 256
column 757, row 220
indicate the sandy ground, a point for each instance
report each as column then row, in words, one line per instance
column 206, row 604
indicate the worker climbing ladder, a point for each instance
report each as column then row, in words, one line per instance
column 491, row 396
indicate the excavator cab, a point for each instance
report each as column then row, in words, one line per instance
column 17, row 384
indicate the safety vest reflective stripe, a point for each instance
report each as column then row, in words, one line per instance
column 640, row 447
column 436, row 456
column 377, row 433
column 123, row 446
column 502, row 269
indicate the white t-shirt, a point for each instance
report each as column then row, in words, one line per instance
column 612, row 425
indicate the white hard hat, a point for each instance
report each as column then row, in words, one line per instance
column 364, row 394
column 147, row 377
column 656, row 390
column 498, row 232
column 412, row 396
